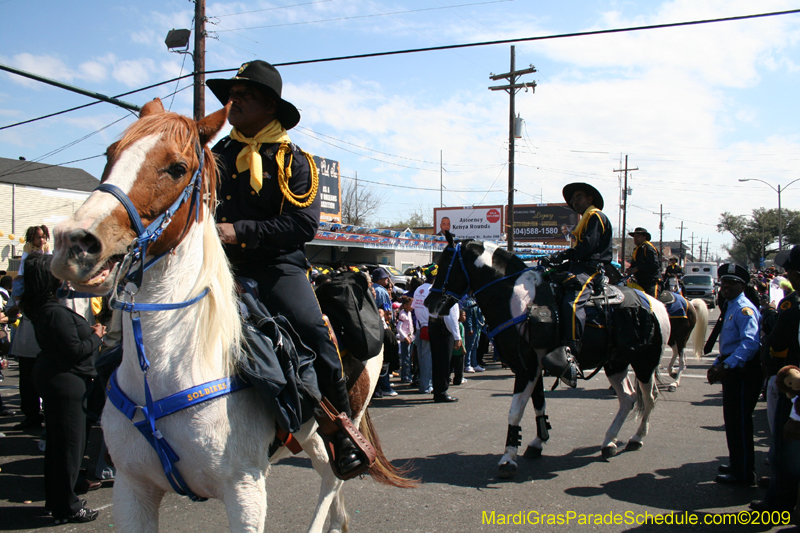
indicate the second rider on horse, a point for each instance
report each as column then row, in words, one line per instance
column 583, row 274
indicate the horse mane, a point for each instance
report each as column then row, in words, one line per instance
column 219, row 320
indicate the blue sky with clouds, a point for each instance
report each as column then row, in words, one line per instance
column 695, row 108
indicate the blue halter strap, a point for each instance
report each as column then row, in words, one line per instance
column 458, row 256
column 152, row 411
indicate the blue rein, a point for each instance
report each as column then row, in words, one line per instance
column 152, row 411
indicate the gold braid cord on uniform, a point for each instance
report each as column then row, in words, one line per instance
column 284, row 175
column 581, row 227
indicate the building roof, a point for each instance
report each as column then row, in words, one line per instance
column 14, row 171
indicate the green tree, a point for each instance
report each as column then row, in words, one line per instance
column 756, row 236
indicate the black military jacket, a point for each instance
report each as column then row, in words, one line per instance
column 673, row 270
column 646, row 262
column 267, row 225
column 595, row 242
column 782, row 340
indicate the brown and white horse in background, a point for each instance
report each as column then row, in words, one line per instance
column 223, row 444
column 692, row 326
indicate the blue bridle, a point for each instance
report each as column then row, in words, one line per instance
column 443, row 289
column 181, row 400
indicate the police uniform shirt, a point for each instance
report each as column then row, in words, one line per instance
column 645, row 259
column 783, row 342
column 739, row 339
column 595, row 241
column 267, row 225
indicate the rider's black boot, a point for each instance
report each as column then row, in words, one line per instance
column 561, row 363
column 347, row 456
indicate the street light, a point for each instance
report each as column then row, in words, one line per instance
column 780, row 219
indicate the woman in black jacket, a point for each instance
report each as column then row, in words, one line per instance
column 68, row 345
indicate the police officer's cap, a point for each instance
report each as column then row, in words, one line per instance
column 789, row 258
column 734, row 272
column 570, row 189
column 268, row 79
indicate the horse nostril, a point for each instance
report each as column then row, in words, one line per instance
column 83, row 242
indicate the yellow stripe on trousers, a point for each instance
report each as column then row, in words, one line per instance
column 575, row 303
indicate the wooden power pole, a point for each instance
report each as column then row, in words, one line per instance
column 512, row 89
column 199, row 59
column 624, row 208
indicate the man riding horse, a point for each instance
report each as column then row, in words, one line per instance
column 268, row 209
column 582, row 275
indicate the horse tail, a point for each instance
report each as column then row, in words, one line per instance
column 382, row 470
column 699, row 331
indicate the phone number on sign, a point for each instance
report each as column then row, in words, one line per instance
column 629, row 518
column 536, row 232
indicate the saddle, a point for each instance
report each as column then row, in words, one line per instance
column 610, row 295
column 667, row 298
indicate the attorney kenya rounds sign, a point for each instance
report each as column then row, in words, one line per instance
column 482, row 222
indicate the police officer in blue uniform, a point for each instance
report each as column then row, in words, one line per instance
column 268, row 209
column 739, row 370
column 593, row 239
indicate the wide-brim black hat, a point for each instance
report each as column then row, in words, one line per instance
column 734, row 272
column 789, row 258
column 267, row 78
column 570, row 189
column 641, row 231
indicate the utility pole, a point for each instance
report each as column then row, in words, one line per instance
column 356, row 221
column 441, row 187
column 199, row 59
column 624, row 208
column 691, row 251
column 683, row 255
column 512, row 89
column 661, row 233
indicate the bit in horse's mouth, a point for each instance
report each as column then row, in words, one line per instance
column 102, row 274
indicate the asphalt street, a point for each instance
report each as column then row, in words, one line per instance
column 455, row 448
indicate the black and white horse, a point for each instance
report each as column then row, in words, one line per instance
column 504, row 289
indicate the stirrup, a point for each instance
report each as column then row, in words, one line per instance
column 331, row 422
column 562, row 364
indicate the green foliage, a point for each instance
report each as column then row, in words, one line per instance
column 756, row 236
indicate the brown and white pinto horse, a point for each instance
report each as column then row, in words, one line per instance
column 685, row 325
column 223, row 444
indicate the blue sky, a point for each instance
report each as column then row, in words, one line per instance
column 694, row 108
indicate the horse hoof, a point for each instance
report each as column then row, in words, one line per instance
column 507, row 471
column 633, row 446
column 532, row 452
column 672, row 387
column 673, row 375
column 609, row 452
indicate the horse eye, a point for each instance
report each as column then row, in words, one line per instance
column 177, row 170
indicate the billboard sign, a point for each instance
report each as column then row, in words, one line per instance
column 479, row 222
column 329, row 190
column 544, row 223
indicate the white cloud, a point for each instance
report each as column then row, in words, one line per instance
column 133, row 73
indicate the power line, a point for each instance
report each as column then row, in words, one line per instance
column 271, row 9
column 451, row 47
column 363, row 16
column 360, row 180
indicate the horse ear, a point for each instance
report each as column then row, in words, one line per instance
column 449, row 236
column 152, row 107
column 209, row 126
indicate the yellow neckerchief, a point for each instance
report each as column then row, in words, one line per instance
column 581, row 227
column 645, row 243
column 249, row 158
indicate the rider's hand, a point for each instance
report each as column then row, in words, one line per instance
column 555, row 259
column 99, row 330
column 227, row 234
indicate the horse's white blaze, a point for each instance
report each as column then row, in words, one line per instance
column 99, row 205
column 485, row 259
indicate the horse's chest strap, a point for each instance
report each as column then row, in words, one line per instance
column 167, row 406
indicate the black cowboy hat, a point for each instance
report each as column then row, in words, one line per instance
column 570, row 189
column 267, row 78
column 734, row 272
column 641, row 231
column 789, row 258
